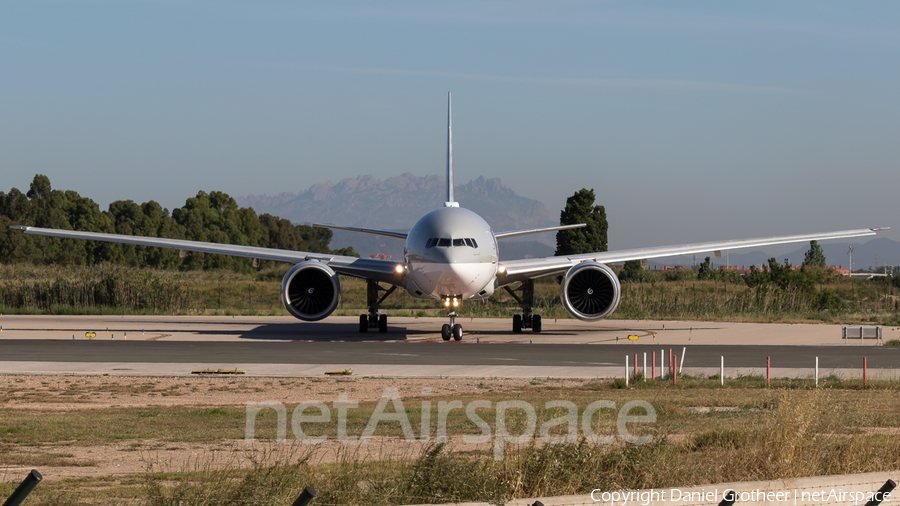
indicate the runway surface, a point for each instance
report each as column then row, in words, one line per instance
column 441, row 354
column 283, row 346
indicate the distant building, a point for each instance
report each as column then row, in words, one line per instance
column 745, row 269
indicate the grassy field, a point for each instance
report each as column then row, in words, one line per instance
column 704, row 434
column 108, row 289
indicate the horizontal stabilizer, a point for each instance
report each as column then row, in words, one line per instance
column 386, row 233
column 516, row 233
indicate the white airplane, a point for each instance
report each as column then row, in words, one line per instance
column 451, row 255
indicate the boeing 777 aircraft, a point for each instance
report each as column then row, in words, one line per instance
column 451, row 255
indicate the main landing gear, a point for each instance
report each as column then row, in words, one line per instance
column 374, row 320
column 526, row 320
column 452, row 329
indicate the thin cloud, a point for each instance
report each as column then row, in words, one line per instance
column 648, row 84
column 599, row 15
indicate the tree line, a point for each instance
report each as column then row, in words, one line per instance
column 207, row 217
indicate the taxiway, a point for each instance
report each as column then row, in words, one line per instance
column 285, row 347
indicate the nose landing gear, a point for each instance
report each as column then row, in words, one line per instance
column 453, row 329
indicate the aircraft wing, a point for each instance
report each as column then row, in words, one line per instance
column 530, row 268
column 369, row 268
column 385, row 233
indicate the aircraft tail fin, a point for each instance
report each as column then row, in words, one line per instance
column 451, row 202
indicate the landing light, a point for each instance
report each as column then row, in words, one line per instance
column 399, row 269
column 501, row 269
column 455, row 302
column 447, row 302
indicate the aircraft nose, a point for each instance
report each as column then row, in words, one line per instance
column 441, row 255
column 469, row 277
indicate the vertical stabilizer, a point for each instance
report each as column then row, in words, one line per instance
column 450, row 201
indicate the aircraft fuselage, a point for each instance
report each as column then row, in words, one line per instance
column 451, row 252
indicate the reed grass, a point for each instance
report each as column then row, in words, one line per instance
column 89, row 290
column 858, row 302
column 109, row 289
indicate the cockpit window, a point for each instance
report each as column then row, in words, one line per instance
column 444, row 242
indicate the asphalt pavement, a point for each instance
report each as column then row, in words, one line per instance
column 437, row 353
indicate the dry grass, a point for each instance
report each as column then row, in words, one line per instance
column 789, row 430
column 34, row 457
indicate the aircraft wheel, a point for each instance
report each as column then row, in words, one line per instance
column 445, row 332
column 382, row 323
column 536, row 323
column 363, row 323
column 517, row 324
column 457, row 332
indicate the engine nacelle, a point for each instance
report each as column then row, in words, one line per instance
column 310, row 290
column 590, row 291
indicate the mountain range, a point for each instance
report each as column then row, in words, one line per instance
column 397, row 202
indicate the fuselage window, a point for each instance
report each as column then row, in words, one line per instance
column 459, row 242
column 444, row 242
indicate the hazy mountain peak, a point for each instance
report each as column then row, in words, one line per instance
column 396, row 202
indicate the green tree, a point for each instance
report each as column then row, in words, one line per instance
column 12, row 242
column 592, row 238
column 756, row 277
column 15, row 206
column 632, row 271
column 705, row 271
column 50, row 209
column 39, row 188
column 347, row 252
column 814, row 256
column 782, row 276
column 211, row 217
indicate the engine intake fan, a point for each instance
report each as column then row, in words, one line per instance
column 310, row 291
column 590, row 291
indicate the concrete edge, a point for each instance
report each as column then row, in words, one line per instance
column 809, row 491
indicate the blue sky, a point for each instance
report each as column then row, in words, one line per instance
column 691, row 120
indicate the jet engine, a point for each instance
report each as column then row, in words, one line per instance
column 310, row 290
column 590, row 291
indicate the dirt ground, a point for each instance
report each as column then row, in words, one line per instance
column 128, row 457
